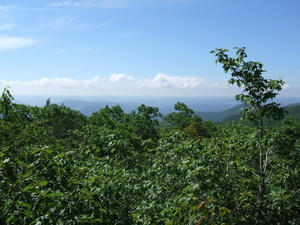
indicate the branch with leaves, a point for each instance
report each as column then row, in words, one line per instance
column 258, row 95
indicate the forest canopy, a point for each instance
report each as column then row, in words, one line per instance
column 58, row 166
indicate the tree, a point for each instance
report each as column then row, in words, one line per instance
column 145, row 121
column 183, row 118
column 15, row 119
column 61, row 119
column 6, row 105
column 257, row 95
column 111, row 117
column 258, row 91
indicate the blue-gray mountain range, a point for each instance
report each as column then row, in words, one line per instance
column 209, row 108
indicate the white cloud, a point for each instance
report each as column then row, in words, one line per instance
column 6, row 20
column 56, row 83
column 70, row 23
column 120, row 77
column 9, row 43
column 59, row 23
column 113, row 3
column 163, row 80
column 121, row 84
column 90, row 26
column 89, row 4
column 63, row 51
column 63, row 4
column 286, row 86
column 94, row 82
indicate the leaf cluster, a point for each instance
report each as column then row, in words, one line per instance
column 258, row 91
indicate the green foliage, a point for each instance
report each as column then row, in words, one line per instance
column 109, row 117
column 183, row 118
column 196, row 130
column 145, row 122
column 258, row 91
column 59, row 167
column 257, row 94
column 61, row 119
column 6, row 105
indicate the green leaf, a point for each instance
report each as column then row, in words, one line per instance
column 43, row 183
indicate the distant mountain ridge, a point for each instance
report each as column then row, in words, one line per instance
column 220, row 116
column 165, row 105
column 228, row 115
column 216, row 109
column 88, row 108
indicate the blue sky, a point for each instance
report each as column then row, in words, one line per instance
column 143, row 47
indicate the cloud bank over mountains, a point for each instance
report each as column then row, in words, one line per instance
column 121, row 84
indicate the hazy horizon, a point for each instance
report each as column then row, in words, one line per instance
column 40, row 100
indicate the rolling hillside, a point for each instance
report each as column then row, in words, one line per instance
column 220, row 116
column 293, row 111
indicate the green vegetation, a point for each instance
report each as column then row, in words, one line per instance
column 232, row 115
column 58, row 166
column 259, row 109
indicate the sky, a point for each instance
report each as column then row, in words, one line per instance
column 143, row 47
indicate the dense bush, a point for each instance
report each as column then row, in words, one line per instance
column 99, row 170
column 59, row 167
